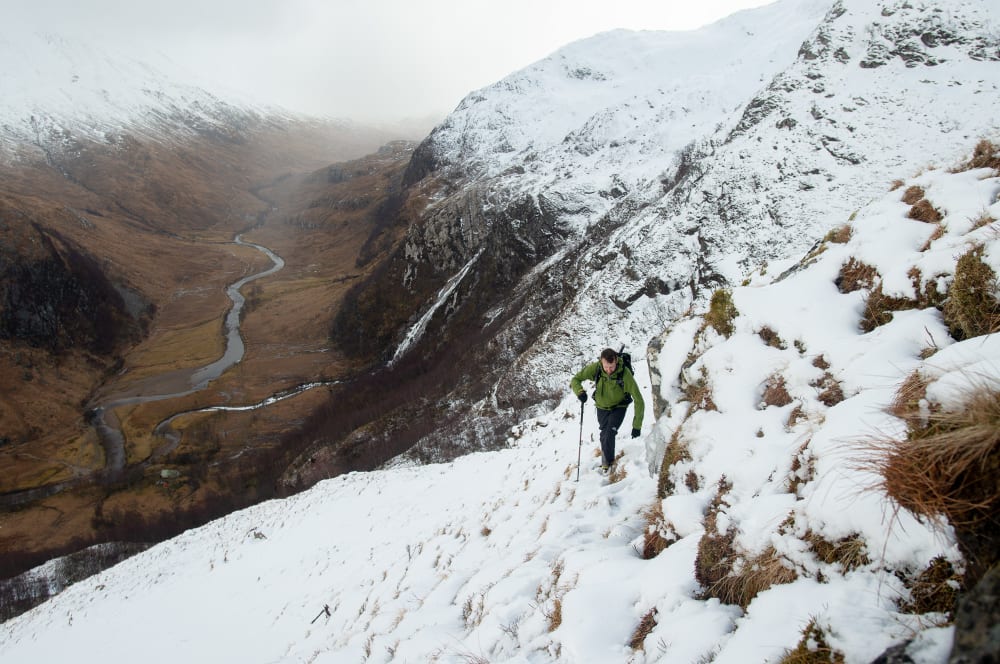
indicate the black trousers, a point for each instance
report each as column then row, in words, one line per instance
column 609, row 421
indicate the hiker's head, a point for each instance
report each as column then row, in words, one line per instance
column 609, row 360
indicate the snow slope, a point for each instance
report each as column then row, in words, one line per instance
column 505, row 557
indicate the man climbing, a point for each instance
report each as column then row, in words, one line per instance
column 615, row 389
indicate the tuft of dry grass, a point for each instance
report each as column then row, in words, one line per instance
column 771, row 338
column 934, row 590
column 972, row 308
column 722, row 312
column 803, row 468
column 947, row 469
column 658, row 534
column 938, row 233
column 879, row 308
column 985, row 155
column 644, row 629
column 841, row 235
column 925, row 211
column 618, row 471
column 896, row 184
column 775, row 392
column 830, row 392
column 674, row 452
column 984, row 219
column 812, row 648
column 913, row 195
column 906, row 405
column 855, row 275
column 698, row 392
column 849, row 552
column 753, row 577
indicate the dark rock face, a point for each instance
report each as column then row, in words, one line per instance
column 977, row 623
column 63, row 299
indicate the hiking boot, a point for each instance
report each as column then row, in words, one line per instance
column 605, row 469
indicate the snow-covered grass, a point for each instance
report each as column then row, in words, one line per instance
column 506, row 557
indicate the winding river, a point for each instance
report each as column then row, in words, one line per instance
column 106, row 423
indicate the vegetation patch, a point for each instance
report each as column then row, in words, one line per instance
column 812, row 648
column 644, row 629
column 925, row 211
column 775, row 392
column 913, row 195
column 803, row 468
column 972, row 308
column 855, row 275
column 722, row 312
column 658, row 535
column 984, row 155
column 849, row 552
column 934, row 590
column 675, row 452
column 830, row 392
column 840, row 235
column 771, row 338
column 879, row 308
column 698, row 392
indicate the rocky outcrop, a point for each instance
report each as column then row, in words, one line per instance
column 977, row 623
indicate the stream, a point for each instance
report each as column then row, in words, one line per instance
column 106, row 423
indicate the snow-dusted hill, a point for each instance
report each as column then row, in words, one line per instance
column 504, row 557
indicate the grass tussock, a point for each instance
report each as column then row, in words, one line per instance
column 675, row 452
column 909, row 403
column 913, row 195
column 803, row 468
column 934, row 590
column 939, row 232
column 879, row 308
column 984, row 219
column 751, row 578
column 698, row 392
column 925, row 211
column 985, row 155
column 658, row 534
column 855, row 275
column 812, row 648
column 775, row 392
column 947, row 469
column 642, row 630
column 972, row 308
column 722, row 312
column 849, row 552
column 830, row 391
column 896, row 184
column 716, row 556
column 841, row 235
column 771, row 338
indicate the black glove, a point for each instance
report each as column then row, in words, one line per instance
column 582, row 396
column 635, row 433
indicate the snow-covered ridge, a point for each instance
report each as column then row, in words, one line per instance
column 51, row 85
column 503, row 557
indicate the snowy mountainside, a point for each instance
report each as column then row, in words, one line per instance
column 826, row 135
column 54, row 86
column 504, row 557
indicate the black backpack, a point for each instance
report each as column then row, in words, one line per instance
column 626, row 361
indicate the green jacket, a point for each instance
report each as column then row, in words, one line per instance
column 609, row 394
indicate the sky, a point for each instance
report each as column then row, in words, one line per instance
column 375, row 60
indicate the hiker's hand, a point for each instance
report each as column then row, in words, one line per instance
column 635, row 433
column 582, row 396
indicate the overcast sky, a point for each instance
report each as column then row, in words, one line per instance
column 373, row 60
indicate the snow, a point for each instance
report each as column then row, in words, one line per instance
column 474, row 560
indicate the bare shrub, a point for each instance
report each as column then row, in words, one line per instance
column 972, row 308
column 644, row 629
column 934, row 590
column 722, row 312
column 775, row 392
column 812, row 648
column 855, row 275
column 924, row 211
column 674, row 452
column 913, row 195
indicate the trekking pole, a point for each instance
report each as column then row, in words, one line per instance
column 580, row 446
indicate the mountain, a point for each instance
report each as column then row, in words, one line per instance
column 765, row 533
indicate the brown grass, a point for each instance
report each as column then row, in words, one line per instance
column 699, row 392
column 896, row 184
column 754, row 577
column 906, row 404
column 946, row 469
column 855, row 275
column 771, row 338
column 924, row 211
column 841, row 235
column 642, row 630
column 879, row 308
column 934, row 590
column 716, row 556
column 972, row 308
column 938, row 233
column 984, row 219
column 849, row 552
column 803, row 468
column 830, row 391
column 658, row 534
column 820, row 362
column 984, row 155
column 913, row 195
column 674, row 452
column 775, row 392
column 812, row 648
column 618, row 471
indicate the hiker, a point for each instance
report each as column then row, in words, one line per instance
column 615, row 389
